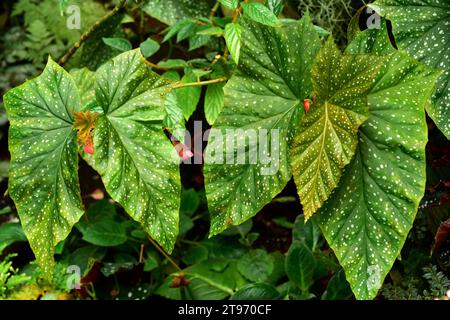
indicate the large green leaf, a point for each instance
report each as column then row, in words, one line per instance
column 265, row 93
column 375, row 41
column 422, row 28
column 326, row 140
column 44, row 160
column 367, row 218
column 172, row 11
column 85, row 81
column 138, row 164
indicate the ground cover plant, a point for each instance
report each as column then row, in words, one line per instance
column 225, row 149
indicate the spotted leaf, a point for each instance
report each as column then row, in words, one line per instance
column 84, row 80
column 263, row 105
column 43, row 180
column 422, row 28
column 173, row 11
column 326, row 140
column 367, row 218
column 138, row 164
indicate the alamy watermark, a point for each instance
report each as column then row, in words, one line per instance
column 374, row 20
column 231, row 147
column 74, row 277
column 73, row 21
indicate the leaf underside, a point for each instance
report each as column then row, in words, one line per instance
column 327, row 137
column 367, row 218
column 422, row 28
column 273, row 76
column 44, row 160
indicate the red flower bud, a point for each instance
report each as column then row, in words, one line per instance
column 89, row 148
column 306, row 104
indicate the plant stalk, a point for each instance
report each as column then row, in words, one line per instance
column 198, row 84
column 88, row 33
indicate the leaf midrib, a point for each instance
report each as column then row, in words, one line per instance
column 147, row 186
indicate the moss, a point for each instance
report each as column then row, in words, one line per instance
column 333, row 15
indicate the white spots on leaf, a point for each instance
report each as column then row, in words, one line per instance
column 44, row 180
column 138, row 164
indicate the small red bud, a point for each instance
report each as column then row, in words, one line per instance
column 306, row 104
column 183, row 151
column 89, row 148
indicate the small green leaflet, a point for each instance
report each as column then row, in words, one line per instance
column 188, row 97
column 120, row 44
column 10, row 233
column 101, row 225
column 198, row 41
column 211, row 31
column 138, row 164
column 276, row 6
column 338, row 288
column 260, row 13
column 233, row 33
column 367, row 218
column 422, row 28
column 306, row 232
column 206, row 283
column 149, row 47
column 177, row 27
column 262, row 98
column 230, row 4
column 173, row 64
column 327, row 137
column 172, row 11
column 300, row 264
column 62, row 6
column 188, row 29
column 43, row 179
column 214, row 100
column 256, row 265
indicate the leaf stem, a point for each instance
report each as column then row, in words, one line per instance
column 154, row 66
column 236, row 14
column 164, row 253
column 195, row 243
column 91, row 30
column 198, row 84
column 214, row 10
